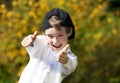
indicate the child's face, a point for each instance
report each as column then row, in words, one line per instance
column 57, row 39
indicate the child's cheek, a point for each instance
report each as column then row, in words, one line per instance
column 64, row 40
column 49, row 41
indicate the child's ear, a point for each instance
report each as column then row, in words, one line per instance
column 70, row 32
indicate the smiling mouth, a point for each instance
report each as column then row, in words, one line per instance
column 57, row 46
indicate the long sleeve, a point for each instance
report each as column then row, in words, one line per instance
column 71, row 65
column 38, row 47
column 35, row 54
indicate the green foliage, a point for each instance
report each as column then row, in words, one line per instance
column 97, row 42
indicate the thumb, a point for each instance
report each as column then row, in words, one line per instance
column 35, row 34
column 66, row 47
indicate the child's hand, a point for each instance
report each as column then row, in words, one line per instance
column 29, row 40
column 62, row 55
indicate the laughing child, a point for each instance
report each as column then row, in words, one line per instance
column 51, row 59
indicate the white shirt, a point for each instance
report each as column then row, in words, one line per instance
column 43, row 66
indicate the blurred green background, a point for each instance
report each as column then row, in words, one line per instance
column 97, row 42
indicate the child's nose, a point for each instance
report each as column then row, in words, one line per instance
column 55, row 40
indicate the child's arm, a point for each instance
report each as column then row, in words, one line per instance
column 68, row 60
column 29, row 40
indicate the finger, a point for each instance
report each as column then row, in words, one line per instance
column 63, row 54
column 60, row 59
column 35, row 34
column 63, row 60
column 66, row 47
column 23, row 43
column 27, row 41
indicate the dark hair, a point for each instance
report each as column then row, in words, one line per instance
column 64, row 18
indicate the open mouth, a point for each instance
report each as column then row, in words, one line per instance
column 57, row 46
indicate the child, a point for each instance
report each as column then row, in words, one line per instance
column 51, row 59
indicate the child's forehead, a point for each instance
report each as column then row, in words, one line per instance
column 54, row 30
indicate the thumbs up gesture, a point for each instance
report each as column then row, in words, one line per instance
column 29, row 40
column 62, row 55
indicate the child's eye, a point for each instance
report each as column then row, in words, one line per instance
column 60, row 35
column 50, row 36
